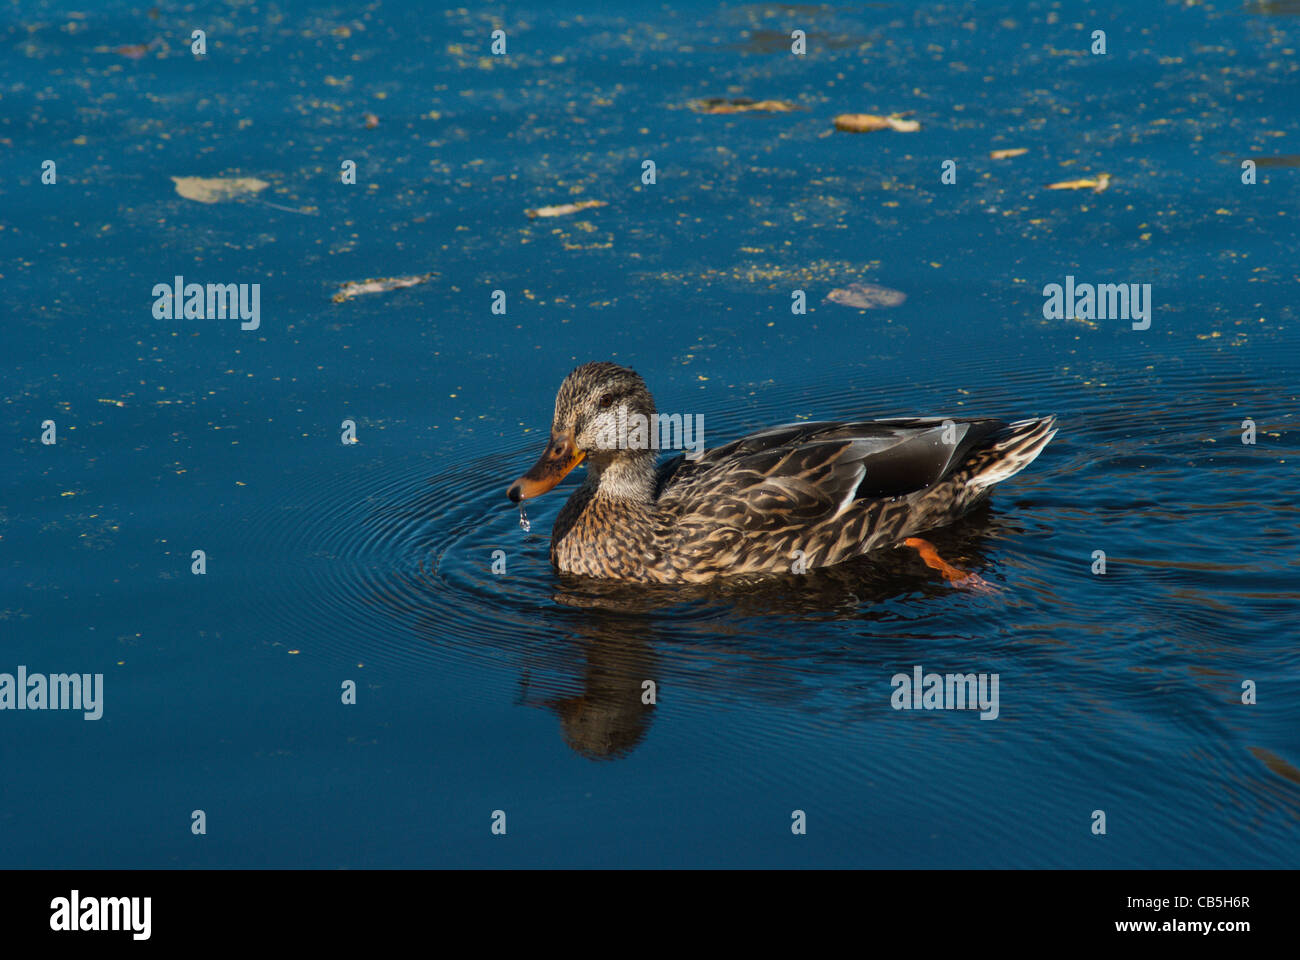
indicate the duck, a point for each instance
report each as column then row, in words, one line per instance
column 785, row 499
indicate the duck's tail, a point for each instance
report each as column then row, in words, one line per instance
column 1011, row 451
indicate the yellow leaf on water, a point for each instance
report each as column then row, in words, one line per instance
column 1097, row 185
column 357, row 288
column 903, row 126
column 867, row 122
column 564, row 208
column 741, row 105
column 866, row 296
column 217, row 189
column 860, row 122
column 1009, row 153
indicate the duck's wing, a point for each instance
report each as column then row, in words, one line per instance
column 804, row 473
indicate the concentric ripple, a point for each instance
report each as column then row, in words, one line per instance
column 392, row 564
column 399, row 562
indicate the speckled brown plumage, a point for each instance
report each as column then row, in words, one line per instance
column 798, row 495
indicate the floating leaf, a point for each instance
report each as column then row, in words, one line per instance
column 741, row 105
column 866, row 296
column 1274, row 7
column 867, row 122
column 860, row 122
column 1284, row 160
column 356, row 288
column 565, row 208
column 134, row 51
column 903, row 126
column 217, row 189
column 1009, row 153
column 1097, row 185
column 372, row 121
column 778, row 41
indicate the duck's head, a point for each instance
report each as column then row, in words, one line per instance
column 595, row 408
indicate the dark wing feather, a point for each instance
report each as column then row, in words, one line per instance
column 806, row 472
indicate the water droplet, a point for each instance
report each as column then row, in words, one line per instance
column 523, row 519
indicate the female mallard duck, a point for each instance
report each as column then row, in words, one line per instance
column 796, row 496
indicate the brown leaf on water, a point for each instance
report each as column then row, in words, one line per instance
column 564, row 208
column 1009, row 153
column 134, row 51
column 741, row 105
column 1283, row 160
column 867, row 122
column 860, row 122
column 217, row 189
column 866, row 296
column 779, row 41
column 1096, row 185
column 357, row 288
column 372, row 121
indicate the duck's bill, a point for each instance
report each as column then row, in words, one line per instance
column 560, row 457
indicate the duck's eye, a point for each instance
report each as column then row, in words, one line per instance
column 606, row 401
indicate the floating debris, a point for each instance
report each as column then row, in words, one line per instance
column 564, row 208
column 1009, row 153
column 135, row 51
column 741, row 105
column 1274, row 7
column 372, row 121
column 779, row 41
column 217, row 189
column 308, row 212
column 1283, row 160
column 357, row 288
column 867, row 122
column 866, row 296
column 524, row 522
column 1097, row 185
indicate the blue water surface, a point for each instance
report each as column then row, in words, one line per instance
column 520, row 691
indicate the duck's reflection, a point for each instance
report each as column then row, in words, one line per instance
column 606, row 691
column 613, row 650
column 607, row 712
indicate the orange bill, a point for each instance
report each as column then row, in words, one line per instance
column 561, row 456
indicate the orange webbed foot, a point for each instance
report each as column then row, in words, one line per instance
column 958, row 578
